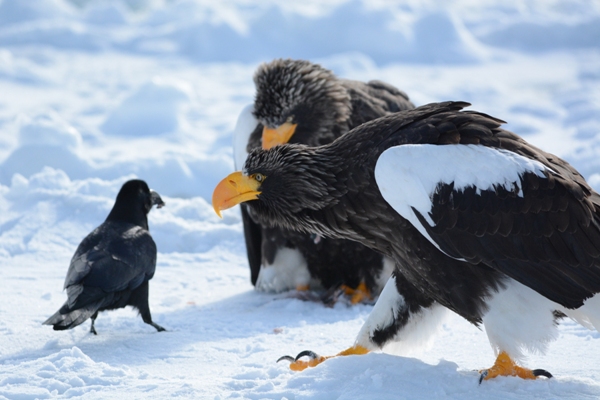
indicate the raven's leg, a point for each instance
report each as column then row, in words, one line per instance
column 93, row 318
column 139, row 299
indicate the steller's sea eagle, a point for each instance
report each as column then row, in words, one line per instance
column 298, row 101
column 476, row 219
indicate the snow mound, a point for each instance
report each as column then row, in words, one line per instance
column 68, row 373
column 45, row 140
column 18, row 11
column 51, row 211
column 66, row 210
column 109, row 13
column 441, row 37
column 152, row 110
column 49, row 129
column 382, row 376
column 540, row 36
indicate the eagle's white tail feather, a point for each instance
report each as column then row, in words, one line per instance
column 587, row 315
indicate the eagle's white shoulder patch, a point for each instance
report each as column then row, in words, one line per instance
column 408, row 175
column 245, row 125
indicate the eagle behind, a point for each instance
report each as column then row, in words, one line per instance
column 301, row 102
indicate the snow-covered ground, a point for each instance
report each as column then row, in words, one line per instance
column 94, row 92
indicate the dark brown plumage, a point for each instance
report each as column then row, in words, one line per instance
column 322, row 107
column 476, row 240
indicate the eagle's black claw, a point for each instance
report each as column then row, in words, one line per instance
column 311, row 354
column 542, row 372
column 482, row 376
column 287, row 358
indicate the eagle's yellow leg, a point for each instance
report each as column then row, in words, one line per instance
column 302, row 288
column 505, row 366
column 315, row 359
column 359, row 294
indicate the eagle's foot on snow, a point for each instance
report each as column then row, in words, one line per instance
column 505, row 366
column 299, row 365
column 296, row 364
column 358, row 295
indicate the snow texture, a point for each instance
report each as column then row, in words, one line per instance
column 96, row 92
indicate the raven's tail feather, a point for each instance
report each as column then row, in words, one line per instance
column 67, row 317
column 70, row 319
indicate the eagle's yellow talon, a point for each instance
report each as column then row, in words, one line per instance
column 300, row 365
column 505, row 366
column 315, row 359
column 359, row 294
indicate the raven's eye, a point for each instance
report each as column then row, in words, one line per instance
column 259, row 177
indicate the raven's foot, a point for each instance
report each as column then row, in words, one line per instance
column 158, row 327
column 296, row 364
column 505, row 366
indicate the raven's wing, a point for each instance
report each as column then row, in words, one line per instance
column 114, row 257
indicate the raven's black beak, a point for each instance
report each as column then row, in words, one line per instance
column 156, row 199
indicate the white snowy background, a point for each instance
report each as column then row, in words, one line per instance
column 95, row 92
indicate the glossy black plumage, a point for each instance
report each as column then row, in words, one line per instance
column 113, row 264
column 545, row 235
column 324, row 107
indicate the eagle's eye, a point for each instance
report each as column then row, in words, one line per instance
column 259, row 177
column 290, row 119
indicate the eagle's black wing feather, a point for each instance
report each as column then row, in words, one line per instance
column 253, row 237
column 544, row 232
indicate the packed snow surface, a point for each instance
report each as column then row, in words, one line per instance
column 96, row 92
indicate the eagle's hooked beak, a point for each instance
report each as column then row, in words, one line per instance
column 280, row 135
column 234, row 189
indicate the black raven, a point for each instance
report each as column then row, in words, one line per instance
column 113, row 264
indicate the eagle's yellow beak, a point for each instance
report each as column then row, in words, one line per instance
column 280, row 135
column 234, row 189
